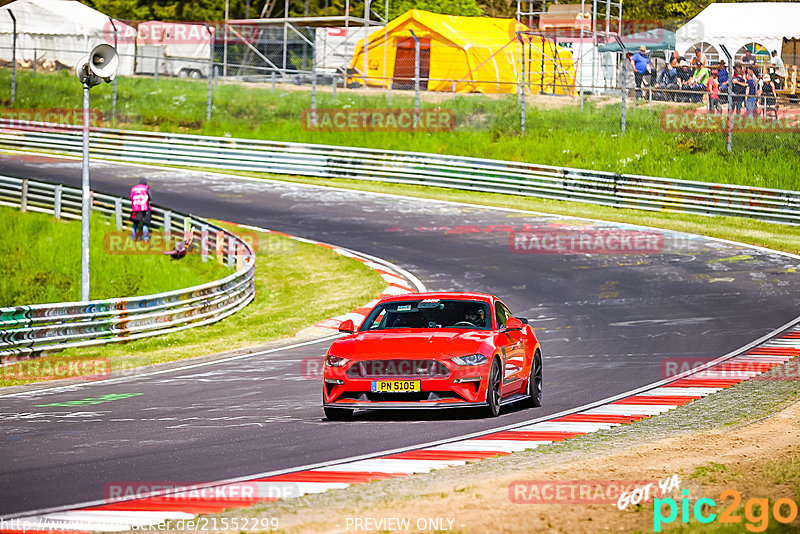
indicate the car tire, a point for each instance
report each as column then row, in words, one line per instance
column 338, row 414
column 195, row 74
column 535, row 381
column 183, row 73
column 493, row 390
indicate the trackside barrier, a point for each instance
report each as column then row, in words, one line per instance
column 455, row 172
column 29, row 330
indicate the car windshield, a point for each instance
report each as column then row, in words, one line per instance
column 430, row 313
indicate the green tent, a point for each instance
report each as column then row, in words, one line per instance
column 655, row 39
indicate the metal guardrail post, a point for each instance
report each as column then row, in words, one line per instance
column 204, row 243
column 454, row 89
column 118, row 213
column 167, row 227
column 35, row 60
column 231, row 252
column 335, row 83
column 23, row 206
column 272, row 77
column 59, row 190
column 219, row 245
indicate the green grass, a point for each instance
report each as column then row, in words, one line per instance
column 297, row 285
column 41, row 262
column 488, row 126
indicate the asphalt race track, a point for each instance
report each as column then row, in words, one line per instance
column 606, row 323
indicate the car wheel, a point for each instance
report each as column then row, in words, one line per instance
column 183, row 73
column 195, row 74
column 338, row 414
column 535, row 381
column 493, row 390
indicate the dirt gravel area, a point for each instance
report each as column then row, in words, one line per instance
column 706, row 463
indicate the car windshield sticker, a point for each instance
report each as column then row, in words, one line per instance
column 404, row 307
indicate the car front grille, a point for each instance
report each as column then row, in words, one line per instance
column 397, row 368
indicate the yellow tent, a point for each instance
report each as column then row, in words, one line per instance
column 480, row 54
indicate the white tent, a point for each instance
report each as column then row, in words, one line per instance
column 759, row 25
column 61, row 30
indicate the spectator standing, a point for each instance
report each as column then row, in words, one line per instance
column 778, row 68
column 641, row 66
column 768, row 93
column 739, row 86
column 722, row 76
column 141, row 211
column 751, row 94
column 713, row 94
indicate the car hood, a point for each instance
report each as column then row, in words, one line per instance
column 411, row 344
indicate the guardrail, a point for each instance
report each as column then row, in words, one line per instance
column 28, row 330
column 455, row 172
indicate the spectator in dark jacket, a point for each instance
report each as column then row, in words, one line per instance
column 668, row 80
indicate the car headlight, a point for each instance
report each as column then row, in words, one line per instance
column 472, row 359
column 335, row 361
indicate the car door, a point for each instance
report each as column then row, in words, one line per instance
column 512, row 349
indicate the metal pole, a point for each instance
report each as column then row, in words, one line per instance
column 35, row 59
column 86, row 198
column 114, row 84
column 522, row 110
column 272, row 76
column 623, row 118
column 386, row 47
column 210, row 73
column 729, row 145
column 225, row 42
column 13, row 59
column 416, row 78
column 335, row 83
column 366, row 41
column 314, row 81
column 623, row 83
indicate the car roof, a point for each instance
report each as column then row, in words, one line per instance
column 444, row 295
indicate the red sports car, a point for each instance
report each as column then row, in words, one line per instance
column 433, row 350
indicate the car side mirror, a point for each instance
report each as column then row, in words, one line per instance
column 513, row 323
column 347, row 327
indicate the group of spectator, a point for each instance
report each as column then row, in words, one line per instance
column 688, row 81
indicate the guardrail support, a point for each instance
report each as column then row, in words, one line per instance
column 167, row 226
column 118, row 213
column 204, row 243
column 23, row 206
column 57, row 201
column 219, row 245
column 231, row 252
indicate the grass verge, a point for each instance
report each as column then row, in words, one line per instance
column 487, row 126
column 297, row 285
column 42, row 263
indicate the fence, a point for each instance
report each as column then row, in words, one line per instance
column 28, row 330
column 475, row 174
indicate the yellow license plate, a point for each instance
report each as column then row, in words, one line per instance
column 395, row 386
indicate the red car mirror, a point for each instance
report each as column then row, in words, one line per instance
column 347, row 327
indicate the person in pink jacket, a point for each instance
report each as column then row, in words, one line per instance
column 140, row 210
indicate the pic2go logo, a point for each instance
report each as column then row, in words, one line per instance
column 756, row 511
